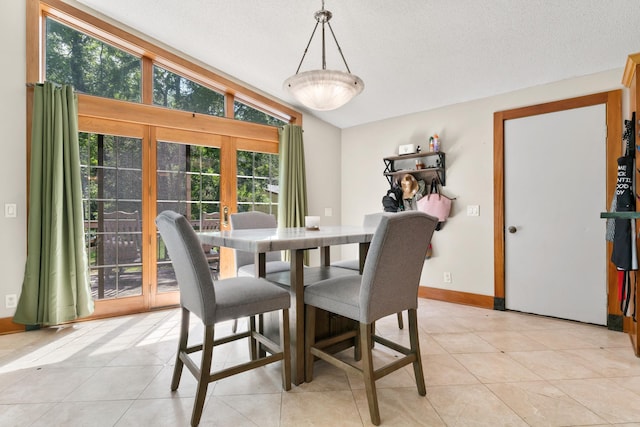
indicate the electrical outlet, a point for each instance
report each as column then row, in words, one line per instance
column 11, row 301
column 473, row 210
column 328, row 212
column 447, row 277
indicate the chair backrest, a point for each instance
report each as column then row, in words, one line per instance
column 254, row 219
column 372, row 219
column 393, row 266
column 190, row 265
column 122, row 237
column 211, row 221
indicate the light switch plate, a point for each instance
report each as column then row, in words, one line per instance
column 10, row 210
column 473, row 210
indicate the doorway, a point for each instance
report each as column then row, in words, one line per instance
column 546, row 260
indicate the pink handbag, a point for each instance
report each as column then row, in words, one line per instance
column 435, row 204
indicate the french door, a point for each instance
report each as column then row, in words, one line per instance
column 131, row 172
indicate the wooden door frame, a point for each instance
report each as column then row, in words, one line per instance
column 613, row 103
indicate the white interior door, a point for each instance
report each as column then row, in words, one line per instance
column 555, row 261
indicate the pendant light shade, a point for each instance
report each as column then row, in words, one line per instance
column 324, row 89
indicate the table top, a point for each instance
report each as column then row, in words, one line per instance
column 260, row 240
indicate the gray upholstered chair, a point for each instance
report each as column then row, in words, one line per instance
column 370, row 220
column 245, row 260
column 214, row 302
column 388, row 284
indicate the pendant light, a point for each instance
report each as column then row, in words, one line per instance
column 324, row 89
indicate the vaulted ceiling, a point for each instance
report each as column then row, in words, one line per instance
column 413, row 55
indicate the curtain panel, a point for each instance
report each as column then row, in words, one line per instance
column 292, row 202
column 56, row 281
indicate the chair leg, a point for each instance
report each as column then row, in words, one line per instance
column 415, row 349
column 367, row 372
column 253, row 343
column 205, row 374
column 400, row 322
column 309, row 341
column 357, row 347
column 285, row 343
column 182, row 345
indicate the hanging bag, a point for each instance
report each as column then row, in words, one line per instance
column 435, row 203
column 622, row 255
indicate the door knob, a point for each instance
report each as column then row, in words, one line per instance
column 512, row 229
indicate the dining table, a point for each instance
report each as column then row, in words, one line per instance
column 296, row 240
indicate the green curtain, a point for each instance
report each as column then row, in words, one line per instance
column 292, row 201
column 56, row 279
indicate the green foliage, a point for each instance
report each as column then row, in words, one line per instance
column 173, row 91
column 257, row 181
column 90, row 65
column 188, row 178
column 111, row 169
column 249, row 114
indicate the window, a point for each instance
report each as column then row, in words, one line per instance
column 174, row 91
column 90, row 65
column 249, row 114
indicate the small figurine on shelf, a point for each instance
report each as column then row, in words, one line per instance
column 434, row 142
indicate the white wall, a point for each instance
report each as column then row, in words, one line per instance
column 464, row 246
column 324, row 180
column 13, row 159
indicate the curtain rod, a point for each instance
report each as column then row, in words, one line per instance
column 41, row 84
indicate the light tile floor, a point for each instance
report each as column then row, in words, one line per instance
column 482, row 368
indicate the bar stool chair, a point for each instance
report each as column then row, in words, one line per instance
column 216, row 301
column 388, row 284
column 370, row 220
column 245, row 260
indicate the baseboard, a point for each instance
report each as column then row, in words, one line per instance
column 476, row 300
column 484, row 301
column 8, row 327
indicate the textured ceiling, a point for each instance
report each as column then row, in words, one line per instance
column 413, row 55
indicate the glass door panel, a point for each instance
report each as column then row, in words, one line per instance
column 257, row 182
column 188, row 182
column 111, row 168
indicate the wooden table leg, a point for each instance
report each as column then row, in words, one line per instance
column 260, row 264
column 325, row 256
column 296, row 320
